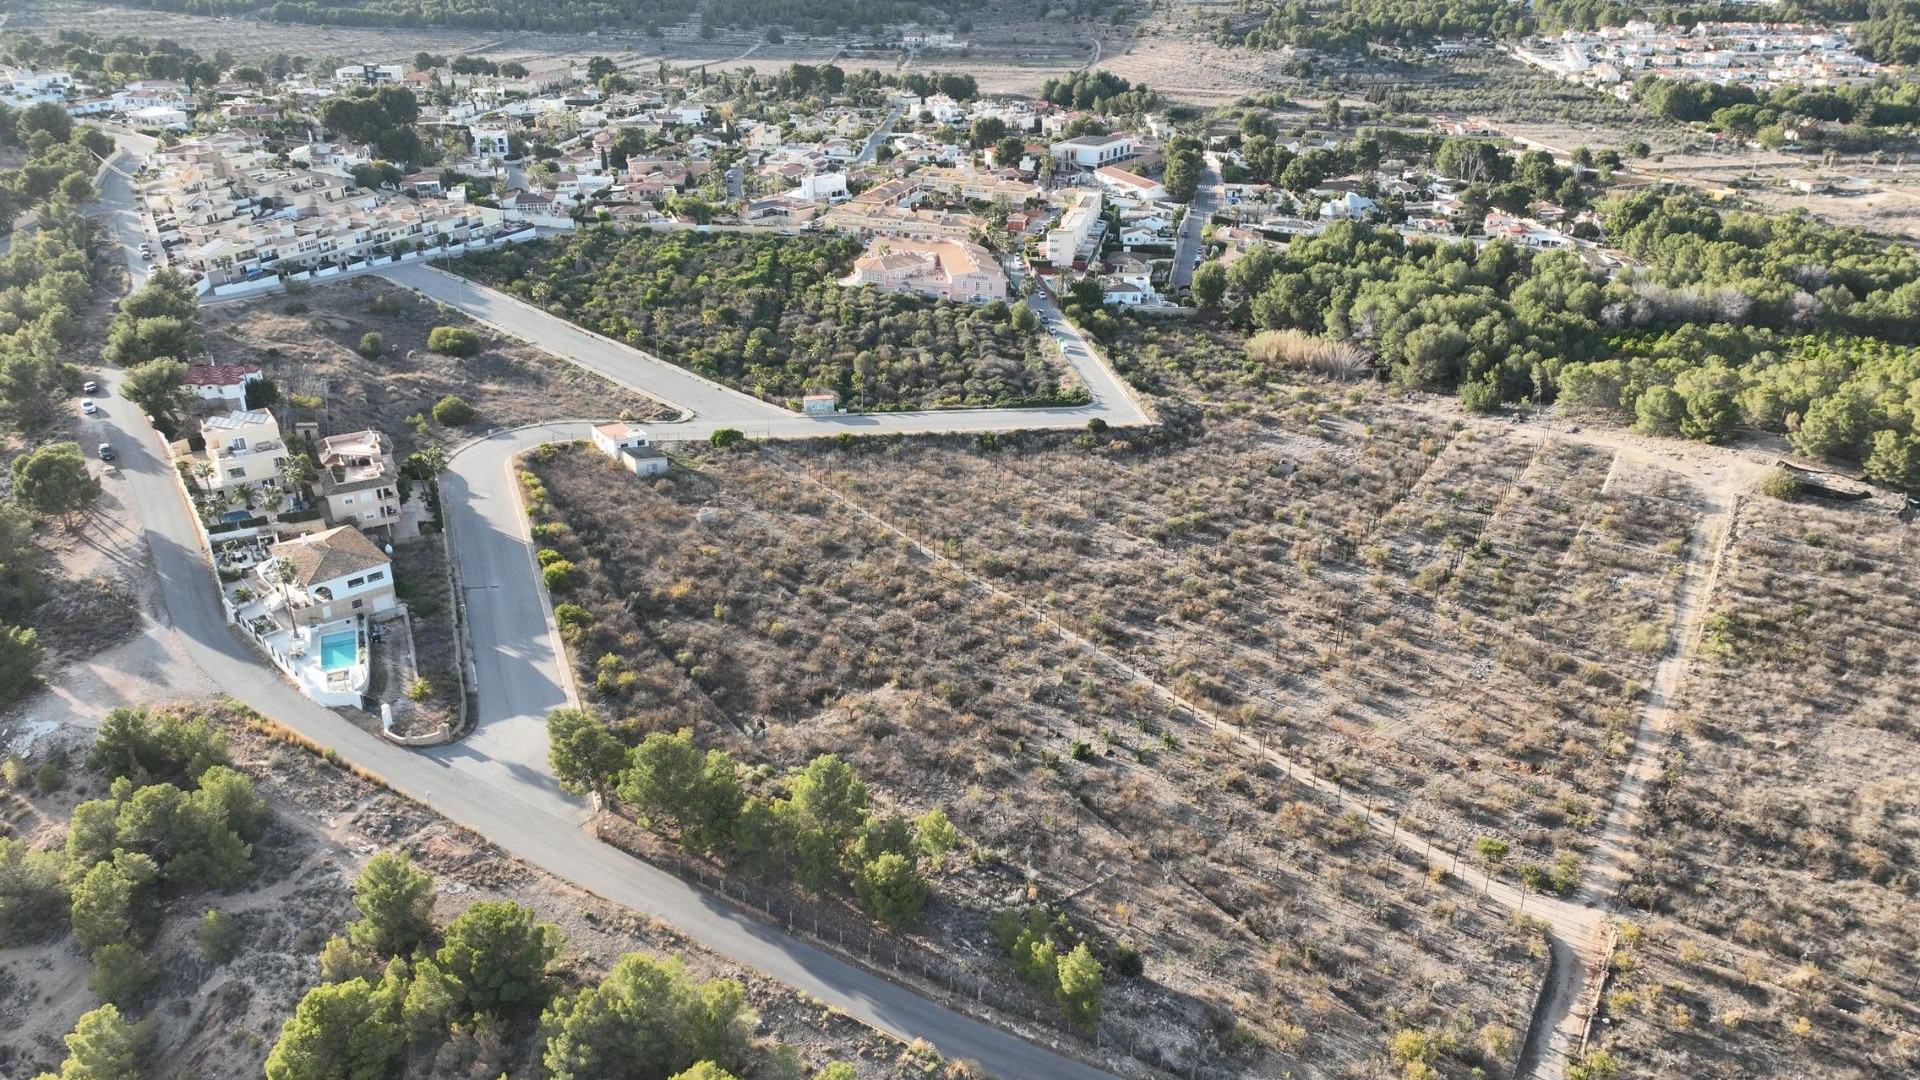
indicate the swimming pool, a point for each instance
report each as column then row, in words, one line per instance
column 339, row 650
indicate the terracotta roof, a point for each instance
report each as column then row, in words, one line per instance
column 324, row 556
column 220, row 374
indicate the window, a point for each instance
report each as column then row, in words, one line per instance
column 377, row 575
column 237, row 473
column 357, row 604
column 354, row 583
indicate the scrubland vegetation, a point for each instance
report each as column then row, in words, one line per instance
column 1773, row 896
column 1451, row 621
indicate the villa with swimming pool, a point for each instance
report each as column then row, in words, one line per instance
column 310, row 603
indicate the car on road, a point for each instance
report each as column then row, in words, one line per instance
column 89, row 387
column 106, row 452
column 87, row 406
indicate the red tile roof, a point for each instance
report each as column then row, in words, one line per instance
column 220, row 374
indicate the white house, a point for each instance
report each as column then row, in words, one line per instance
column 1129, row 185
column 335, row 574
column 226, row 383
column 491, row 141
column 1350, row 204
column 370, row 74
column 1093, row 151
column 630, row 447
column 823, row 187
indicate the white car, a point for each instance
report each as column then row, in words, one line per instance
column 87, row 406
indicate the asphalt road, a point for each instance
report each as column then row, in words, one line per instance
column 496, row 782
column 1206, row 199
column 714, row 406
column 880, row 133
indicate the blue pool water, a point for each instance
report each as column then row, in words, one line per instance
column 339, row 650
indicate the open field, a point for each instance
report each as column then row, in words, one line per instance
column 308, row 345
column 219, row 1020
column 1775, row 882
column 791, row 624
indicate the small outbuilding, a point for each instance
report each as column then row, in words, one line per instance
column 825, row 404
column 630, row 447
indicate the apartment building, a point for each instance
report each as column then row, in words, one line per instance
column 944, row 269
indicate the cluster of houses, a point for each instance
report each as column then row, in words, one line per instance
column 232, row 214
column 304, row 561
column 237, row 208
column 1760, row 55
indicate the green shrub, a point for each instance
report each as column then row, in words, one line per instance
column 558, row 575
column 219, row 936
column 453, row 341
column 451, row 411
column 1780, row 484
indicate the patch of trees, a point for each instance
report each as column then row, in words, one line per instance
column 765, row 314
column 152, row 332
column 817, row 824
column 1186, row 167
column 120, row 57
column 1733, row 319
column 1746, row 113
column 43, row 285
column 397, row 990
column 1350, row 27
column 61, row 159
column 177, row 819
column 1047, row 953
column 383, row 117
column 1099, row 91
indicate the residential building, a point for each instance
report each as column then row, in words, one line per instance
column 899, row 221
column 946, row 269
column 370, row 74
column 1127, row 185
column 243, row 448
column 1076, row 227
column 491, row 141
column 224, row 383
column 630, row 448
column 359, row 479
column 335, row 574
column 1093, row 151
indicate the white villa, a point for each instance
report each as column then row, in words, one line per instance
column 243, row 448
column 310, row 605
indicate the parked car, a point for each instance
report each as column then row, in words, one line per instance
column 87, row 406
column 89, row 387
column 106, row 452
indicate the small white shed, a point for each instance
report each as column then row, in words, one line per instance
column 630, row 447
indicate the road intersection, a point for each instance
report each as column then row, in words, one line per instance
column 497, row 782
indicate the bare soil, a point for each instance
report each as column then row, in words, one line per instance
column 307, row 345
column 790, row 624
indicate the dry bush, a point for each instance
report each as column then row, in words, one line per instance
column 1301, row 350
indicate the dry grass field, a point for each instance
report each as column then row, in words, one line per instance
column 1776, row 883
column 308, row 344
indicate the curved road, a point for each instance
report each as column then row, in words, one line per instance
column 497, row 783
